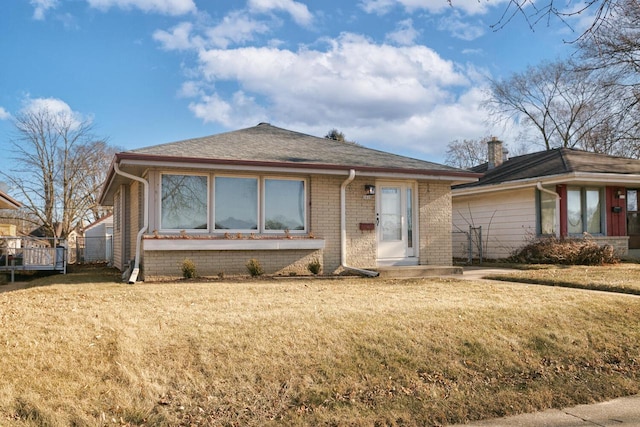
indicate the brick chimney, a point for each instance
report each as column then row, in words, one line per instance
column 495, row 153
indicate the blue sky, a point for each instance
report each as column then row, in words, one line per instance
column 405, row 76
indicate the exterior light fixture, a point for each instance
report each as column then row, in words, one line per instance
column 369, row 190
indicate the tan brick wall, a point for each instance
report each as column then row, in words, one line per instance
column 361, row 245
column 620, row 244
column 435, row 223
column 167, row 264
column 325, row 221
column 117, row 231
column 325, row 217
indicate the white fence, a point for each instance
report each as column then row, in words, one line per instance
column 30, row 253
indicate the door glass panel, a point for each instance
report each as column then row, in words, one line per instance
column 391, row 215
column 633, row 219
column 632, row 200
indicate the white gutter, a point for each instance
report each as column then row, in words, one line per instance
column 145, row 226
column 556, row 222
column 343, row 229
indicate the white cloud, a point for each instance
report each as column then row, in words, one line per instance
column 4, row 114
column 166, row 7
column 404, row 34
column 470, row 7
column 298, row 11
column 41, row 7
column 385, row 96
column 459, row 28
column 237, row 27
column 240, row 111
column 379, row 7
column 54, row 107
column 178, row 38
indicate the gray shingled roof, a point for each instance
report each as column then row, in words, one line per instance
column 266, row 143
column 553, row 162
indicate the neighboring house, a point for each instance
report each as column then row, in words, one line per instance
column 281, row 197
column 561, row 192
column 97, row 240
column 7, row 202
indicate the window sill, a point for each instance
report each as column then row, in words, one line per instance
column 151, row 244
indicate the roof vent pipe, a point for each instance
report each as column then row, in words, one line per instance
column 136, row 267
column 343, row 229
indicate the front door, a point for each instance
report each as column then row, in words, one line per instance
column 394, row 218
column 633, row 219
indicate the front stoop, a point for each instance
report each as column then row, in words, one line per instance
column 413, row 271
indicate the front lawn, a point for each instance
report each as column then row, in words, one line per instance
column 308, row 352
column 622, row 278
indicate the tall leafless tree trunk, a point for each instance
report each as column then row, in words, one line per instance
column 59, row 167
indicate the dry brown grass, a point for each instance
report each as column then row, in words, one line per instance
column 308, row 352
column 622, row 278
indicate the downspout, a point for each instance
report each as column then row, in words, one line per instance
column 145, row 226
column 343, row 229
column 556, row 223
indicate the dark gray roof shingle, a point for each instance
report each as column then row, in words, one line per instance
column 267, row 143
column 553, row 162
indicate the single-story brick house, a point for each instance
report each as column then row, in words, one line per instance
column 561, row 192
column 278, row 196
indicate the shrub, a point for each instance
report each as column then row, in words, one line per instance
column 188, row 269
column 254, row 267
column 314, row 266
column 550, row 250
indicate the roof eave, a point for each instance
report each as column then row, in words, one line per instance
column 605, row 178
column 8, row 202
column 155, row 160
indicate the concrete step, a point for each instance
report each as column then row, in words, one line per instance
column 413, row 271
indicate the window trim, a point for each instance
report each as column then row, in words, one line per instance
column 263, row 206
column 208, row 216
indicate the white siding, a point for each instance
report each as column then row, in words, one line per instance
column 508, row 220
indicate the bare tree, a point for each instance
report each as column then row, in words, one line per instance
column 58, row 168
column 614, row 48
column 564, row 104
column 467, row 153
column 536, row 12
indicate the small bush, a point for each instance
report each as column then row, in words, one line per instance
column 188, row 269
column 566, row 251
column 254, row 267
column 314, row 266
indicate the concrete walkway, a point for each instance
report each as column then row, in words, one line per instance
column 623, row 412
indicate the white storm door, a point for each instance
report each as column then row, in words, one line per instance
column 391, row 218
